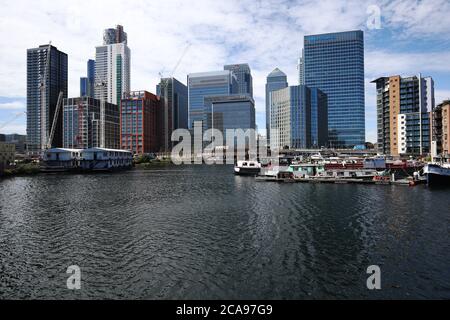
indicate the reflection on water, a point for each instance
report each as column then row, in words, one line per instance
column 199, row 232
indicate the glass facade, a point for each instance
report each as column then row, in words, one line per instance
column 319, row 118
column 276, row 80
column 334, row 63
column 175, row 116
column 57, row 80
column 229, row 112
column 290, row 118
column 243, row 76
column 90, row 123
column 201, row 85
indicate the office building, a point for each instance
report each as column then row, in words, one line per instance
column 235, row 111
column 334, row 63
column 301, row 69
column 112, row 67
column 114, row 35
column 87, row 84
column 40, row 118
column 7, row 156
column 201, row 85
column 18, row 140
column 174, row 99
column 276, row 80
column 441, row 130
column 404, row 106
column 243, row 76
column 290, row 118
column 319, row 119
column 140, row 127
column 90, row 123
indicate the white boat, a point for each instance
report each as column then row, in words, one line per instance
column 247, row 168
column 101, row 159
column 437, row 174
column 60, row 160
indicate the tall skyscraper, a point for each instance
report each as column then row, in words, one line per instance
column 301, row 69
column 174, row 113
column 87, row 84
column 243, row 76
column 234, row 111
column 334, row 63
column 276, row 80
column 117, row 35
column 403, row 114
column 290, row 118
column 201, row 85
column 112, row 66
column 319, row 118
column 140, row 130
column 90, row 123
column 39, row 120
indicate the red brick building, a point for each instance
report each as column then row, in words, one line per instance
column 140, row 112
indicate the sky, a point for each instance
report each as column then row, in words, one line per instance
column 412, row 37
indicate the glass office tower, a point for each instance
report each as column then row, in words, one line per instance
column 276, row 80
column 243, row 76
column 87, row 84
column 290, row 118
column 235, row 111
column 201, row 85
column 174, row 108
column 334, row 63
column 319, row 118
column 39, row 120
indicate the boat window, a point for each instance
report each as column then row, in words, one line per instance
column 252, row 164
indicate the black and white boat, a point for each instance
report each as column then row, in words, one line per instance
column 437, row 174
column 247, row 168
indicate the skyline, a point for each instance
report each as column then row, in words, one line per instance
column 409, row 42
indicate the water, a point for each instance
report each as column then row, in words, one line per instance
column 199, row 232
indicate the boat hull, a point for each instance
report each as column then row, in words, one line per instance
column 246, row 171
column 437, row 175
column 434, row 179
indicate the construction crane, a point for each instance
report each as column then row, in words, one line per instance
column 164, row 86
column 16, row 116
column 43, row 89
column 49, row 141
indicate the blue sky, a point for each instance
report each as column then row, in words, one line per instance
column 414, row 38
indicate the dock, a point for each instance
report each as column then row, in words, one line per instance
column 403, row 182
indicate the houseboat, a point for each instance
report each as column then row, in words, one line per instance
column 101, row 159
column 60, row 160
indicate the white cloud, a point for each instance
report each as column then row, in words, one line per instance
column 19, row 128
column 14, row 105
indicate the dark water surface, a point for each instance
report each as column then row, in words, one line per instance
column 199, row 232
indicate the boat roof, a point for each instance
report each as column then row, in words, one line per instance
column 63, row 150
column 105, row 149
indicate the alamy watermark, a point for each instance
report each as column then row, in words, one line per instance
column 214, row 146
column 74, row 280
column 374, row 280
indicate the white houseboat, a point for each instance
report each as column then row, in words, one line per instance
column 101, row 159
column 60, row 160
